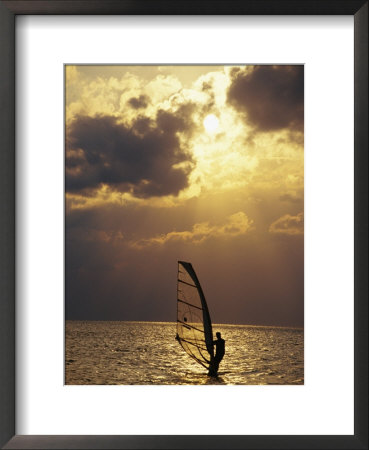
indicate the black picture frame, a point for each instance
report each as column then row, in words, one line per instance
column 8, row 12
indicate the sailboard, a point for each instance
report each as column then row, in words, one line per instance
column 194, row 330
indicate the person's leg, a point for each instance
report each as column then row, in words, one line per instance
column 213, row 369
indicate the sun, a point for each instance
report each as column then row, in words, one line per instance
column 211, row 123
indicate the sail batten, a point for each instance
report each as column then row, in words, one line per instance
column 189, row 304
column 189, row 326
column 189, row 284
column 194, row 330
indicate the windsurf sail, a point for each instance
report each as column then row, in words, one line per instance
column 194, row 331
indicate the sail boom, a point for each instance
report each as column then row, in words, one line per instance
column 191, row 343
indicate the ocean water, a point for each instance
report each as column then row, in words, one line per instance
column 147, row 353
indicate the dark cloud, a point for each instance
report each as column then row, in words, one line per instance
column 272, row 97
column 142, row 159
column 139, row 102
column 206, row 86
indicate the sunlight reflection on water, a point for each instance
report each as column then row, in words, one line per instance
column 147, row 353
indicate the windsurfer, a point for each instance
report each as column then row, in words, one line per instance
column 219, row 353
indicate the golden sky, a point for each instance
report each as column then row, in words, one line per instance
column 196, row 163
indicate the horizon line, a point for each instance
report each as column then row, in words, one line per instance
column 174, row 323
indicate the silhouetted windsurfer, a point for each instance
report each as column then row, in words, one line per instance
column 219, row 353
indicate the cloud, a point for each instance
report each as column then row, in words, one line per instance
column 71, row 74
column 145, row 159
column 236, row 225
column 139, row 102
column 291, row 198
column 271, row 97
column 287, row 224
